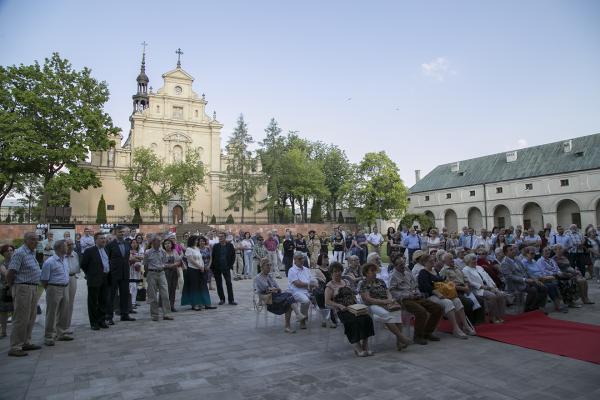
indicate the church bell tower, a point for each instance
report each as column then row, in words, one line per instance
column 140, row 99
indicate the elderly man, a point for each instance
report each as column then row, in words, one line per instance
column 155, row 259
column 23, row 275
column 559, row 237
column 96, row 266
column 576, row 249
column 485, row 240
column 532, row 239
column 405, row 289
column 299, row 282
column 271, row 245
column 518, row 280
column 469, row 240
column 223, row 257
column 314, row 248
column 55, row 279
column 118, row 257
column 72, row 260
column 87, row 240
column 48, row 245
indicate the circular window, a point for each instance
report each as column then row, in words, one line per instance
column 178, row 90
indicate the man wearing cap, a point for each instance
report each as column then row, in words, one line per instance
column 314, row 248
column 299, row 279
column 417, row 267
column 55, row 279
column 23, row 277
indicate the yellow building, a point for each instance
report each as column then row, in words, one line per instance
column 169, row 122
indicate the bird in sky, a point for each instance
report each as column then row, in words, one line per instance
column 349, row 98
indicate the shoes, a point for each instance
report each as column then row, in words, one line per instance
column 323, row 324
column 110, row 322
column 221, row 302
column 360, row 353
column 460, row 334
column 300, row 317
column 333, row 325
column 127, row 319
column 17, row 353
column 370, row 353
column 432, row 338
column 419, row 340
column 65, row 338
column 289, row 330
column 96, row 327
column 49, row 342
column 232, row 303
column 103, row 325
column 132, row 312
column 68, row 332
column 302, row 325
column 588, row 302
column 39, row 310
column 31, row 347
column 173, row 309
column 471, row 332
column 154, row 318
column 573, row 305
column 210, row 307
column 168, row 318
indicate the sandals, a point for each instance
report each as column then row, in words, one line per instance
column 360, row 353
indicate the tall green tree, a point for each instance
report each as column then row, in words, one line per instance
column 51, row 117
column 338, row 173
column 151, row 183
column 101, row 211
column 269, row 153
column 242, row 179
column 378, row 189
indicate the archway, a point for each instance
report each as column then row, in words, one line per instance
column 533, row 217
column 501, row 216
column 430, row 215
column 450, row 221
column 475, row 219
column 567, row 213
column 177, row 215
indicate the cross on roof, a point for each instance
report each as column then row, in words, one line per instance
column 144, row 44
column 179, row 53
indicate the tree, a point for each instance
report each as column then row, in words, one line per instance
column 241, row 177
column 378, row 189
column 51, row 117
column 269, row 153
column 340, row 218
column 229, row 219
column 316, row 212
column 137, row 216
column 151, row 183
column 425, row 221
column 213, row 219
column 338, row 172
column 101, row 213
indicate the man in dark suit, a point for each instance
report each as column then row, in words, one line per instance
column 223, row 258
column 118, row 257
column 96, row 267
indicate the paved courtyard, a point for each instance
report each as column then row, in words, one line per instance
column 222, row 354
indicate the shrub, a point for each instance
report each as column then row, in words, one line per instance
column 229, row 219
column 101, row 213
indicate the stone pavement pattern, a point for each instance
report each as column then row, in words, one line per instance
column 222, row 354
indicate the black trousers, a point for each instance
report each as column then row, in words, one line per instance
column 577, row 260
column 122, row 286
column 97, row 299
column 219, row 275
column 172, row 278
column 536, row 297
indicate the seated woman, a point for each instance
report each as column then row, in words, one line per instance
column 473, row 306
column 352, row 274
column 565, row 267
column 538, row 272
column 357, row 328
column 322, row 276
column 483, row 286
column 281, row 302
column 453, row 308
column 375, row 294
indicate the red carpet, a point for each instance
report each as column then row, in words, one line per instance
column 534, row 330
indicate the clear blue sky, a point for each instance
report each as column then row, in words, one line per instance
column 430, row 82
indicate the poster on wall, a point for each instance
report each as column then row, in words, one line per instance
column 60, row 230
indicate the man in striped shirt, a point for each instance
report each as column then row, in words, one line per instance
column 24, row 276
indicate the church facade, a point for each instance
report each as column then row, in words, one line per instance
column 169, row 121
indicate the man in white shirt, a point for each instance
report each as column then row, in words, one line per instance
column 73, row 262
column 375, row 239
column 485, row 240
column 299, row 281
column 87, row 240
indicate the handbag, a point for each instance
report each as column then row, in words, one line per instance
column 393, row 307
column 358, row 309
column 141, row 295
column 446, row 289
column 6, row 295
column 266, row 299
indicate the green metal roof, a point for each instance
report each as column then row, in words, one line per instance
column 546, row 159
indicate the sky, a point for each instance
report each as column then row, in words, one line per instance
column 429, row 82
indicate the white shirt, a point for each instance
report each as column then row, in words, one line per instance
column 73, row 262
column 192, row 253
column 476, row 276
column 375, row 238
column 297, row 274
column 487, row 243
column 416, row 269
column 433, row 243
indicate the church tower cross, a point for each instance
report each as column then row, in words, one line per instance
column 179, row 53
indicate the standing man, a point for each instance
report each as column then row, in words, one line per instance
column 55, row 279
column 577, row 250
column 72, row 260
column 23, row 276
column 223, row 257
column 48, row 245
column 97, row 274
column 271, row 245
column 375, row 239
column 155, row 259
column 118, row 258
column 87, row 240
column 412, row 242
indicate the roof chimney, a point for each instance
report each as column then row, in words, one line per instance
column 417, row 175
column 568, row 146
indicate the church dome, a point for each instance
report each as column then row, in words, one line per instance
column 142, row 77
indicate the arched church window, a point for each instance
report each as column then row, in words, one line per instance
column 196, row 113
column 158, row 109
column 177, row 153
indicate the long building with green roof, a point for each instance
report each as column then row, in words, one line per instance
column 556, row 183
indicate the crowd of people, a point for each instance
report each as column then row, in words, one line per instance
column 466, row 278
